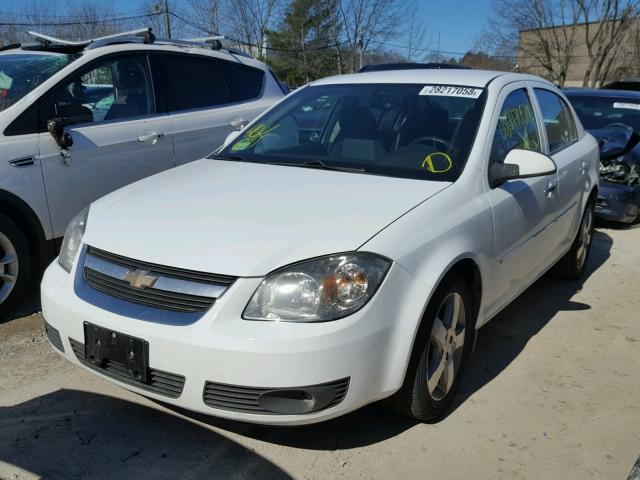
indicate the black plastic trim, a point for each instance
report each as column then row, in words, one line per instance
column 161, row 383
column 243, row 399
column 54, row 337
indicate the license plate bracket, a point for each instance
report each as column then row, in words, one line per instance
column 102, row 346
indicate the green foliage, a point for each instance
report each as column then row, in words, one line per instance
column 303, row 48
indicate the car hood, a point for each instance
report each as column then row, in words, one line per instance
column 247, row 219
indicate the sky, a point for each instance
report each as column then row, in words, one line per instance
column 459, row 22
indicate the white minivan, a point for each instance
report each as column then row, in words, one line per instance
column 81, row 119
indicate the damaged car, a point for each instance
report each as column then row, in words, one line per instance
column 612, row 116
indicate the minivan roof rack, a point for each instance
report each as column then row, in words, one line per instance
column 47, row 40
column 142, row 35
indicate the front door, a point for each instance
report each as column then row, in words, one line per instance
column 524, row 210
column 109, row 110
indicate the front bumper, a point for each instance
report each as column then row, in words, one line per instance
column 618, row 203
column 369, row 349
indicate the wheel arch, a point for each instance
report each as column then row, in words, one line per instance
column 27, row 221
column 469, row 269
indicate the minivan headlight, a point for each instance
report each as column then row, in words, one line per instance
column 318, row 290
column 72, row 240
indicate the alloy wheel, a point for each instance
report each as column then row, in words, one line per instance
column 446, row 346
column 584, row 238
column 8, row 267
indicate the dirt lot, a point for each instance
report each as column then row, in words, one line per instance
column 552, row 393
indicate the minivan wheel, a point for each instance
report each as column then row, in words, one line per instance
column 574, row 263
column 15, row 264
column 439, row 354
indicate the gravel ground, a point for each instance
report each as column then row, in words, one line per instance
column 551, row 393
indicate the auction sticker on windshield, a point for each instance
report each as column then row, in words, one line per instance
column 451, row 91
column 628, row 106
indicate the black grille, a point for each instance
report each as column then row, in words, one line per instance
column 153, row 297
column 245, row 399
column 161, row 383
column 54, row 337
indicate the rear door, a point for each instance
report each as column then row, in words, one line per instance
column 109, row 110
column 206, row 98
column 571, row 159
column 524, row 210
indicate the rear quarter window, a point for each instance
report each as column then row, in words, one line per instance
column 245, row 83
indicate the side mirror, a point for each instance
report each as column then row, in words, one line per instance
column 521, row 164
column 611, row 149
column 231, row 137
column 56, row 129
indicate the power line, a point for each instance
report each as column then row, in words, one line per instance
column 7, row 13
column 249, row 44
column 70, row 24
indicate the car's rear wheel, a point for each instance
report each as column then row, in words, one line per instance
column 15, row 264
column 574, row 263
column 440, row 352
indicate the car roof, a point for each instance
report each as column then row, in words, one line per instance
column 160, row 47
column 600, row 92
column 461, row 77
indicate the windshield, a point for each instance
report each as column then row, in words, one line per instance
column 410, row 131
column 22, row 72
column 607, row 113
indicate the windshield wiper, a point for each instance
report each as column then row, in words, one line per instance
column 320, row 165
column 233, row 158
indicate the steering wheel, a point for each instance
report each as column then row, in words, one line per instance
column 430, row 140
column 618, row 126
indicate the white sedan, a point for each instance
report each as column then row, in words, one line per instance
column 343, row 248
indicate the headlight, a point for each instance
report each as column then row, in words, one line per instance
column 318, row 290
column 72, row 240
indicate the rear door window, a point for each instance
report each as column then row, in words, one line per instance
column 245, row 83
column 190, row 82
column 558, row 120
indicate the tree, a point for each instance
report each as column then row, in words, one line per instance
column 544, row 31
column 302, row 45
column 249, row 22
column 555, row 36
column 367, row 24
column 606, row 24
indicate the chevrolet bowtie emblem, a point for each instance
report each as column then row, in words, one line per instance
column 140, row 279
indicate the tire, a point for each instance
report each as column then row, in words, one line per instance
column 424, row 398
column 15, row 264
column 574, row 262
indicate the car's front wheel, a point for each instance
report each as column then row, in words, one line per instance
column 574, row 263
column 440, row 351
column 15, row 265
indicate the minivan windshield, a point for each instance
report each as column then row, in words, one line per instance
column 413, row 131
column 22, row 72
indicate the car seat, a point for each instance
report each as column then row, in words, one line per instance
column 130, row 82
column 359, row 136
column 70, row 107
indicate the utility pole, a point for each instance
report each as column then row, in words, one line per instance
column 438, row 51
column 167, row 19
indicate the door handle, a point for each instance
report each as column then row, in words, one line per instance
column 238, row 123
column 583, row 167
column 151, row 136
column 551, row 187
